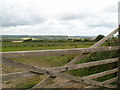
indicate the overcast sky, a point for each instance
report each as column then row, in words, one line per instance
column 58, row 17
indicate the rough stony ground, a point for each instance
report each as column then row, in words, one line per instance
column 13, row 83
column 17, row 83
column 34, row 80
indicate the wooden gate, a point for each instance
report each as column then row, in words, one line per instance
column 59, row 72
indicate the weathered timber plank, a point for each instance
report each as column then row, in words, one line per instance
column 21, row 65
column 51, row 78
column 75, row 60
column 82, row 55
column 110, row 80
column 57, row 85
column 118, row 64
column 105, row 38
column 56, row 74
column 101, row 74
column 89, row 77
column 19, row 54
column 62, row 68
column 106, row 82
column 6, row 61
column 92, row 86
column 44, row 82
column 83, row 65
column 78, row 58
column 79, row 79
column 16, row 75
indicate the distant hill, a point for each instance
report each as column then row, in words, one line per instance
column 88, row 37
column 43, row 37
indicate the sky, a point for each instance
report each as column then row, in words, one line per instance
column 58, row 17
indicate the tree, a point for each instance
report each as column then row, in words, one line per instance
column 77, row 40
column 86, row 40
column 99, row 37
column 28, row 40
column 113, row 41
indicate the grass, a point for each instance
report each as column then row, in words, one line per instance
column 49, row 61
column 29, row 83
column 24, row 83
column 10, row 69
column 99, row 68
column 25, row 46
column 55, row 61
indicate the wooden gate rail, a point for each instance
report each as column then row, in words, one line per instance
column 83, row 65
column 101, row 74
column 56, row 72
column 106, row 81
column 82, row 55
column 60, row 69
column 73, row 82
column 95, row 45
column 20, row 54
column 118, row 82
column 11, row 76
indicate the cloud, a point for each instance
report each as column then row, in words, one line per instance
column 15, row 14
column 73, row 16
column 102, row 22
column 17, row 21
column 58, row 17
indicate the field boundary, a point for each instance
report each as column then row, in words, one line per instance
column 58, row 72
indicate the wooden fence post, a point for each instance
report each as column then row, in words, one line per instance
column 119, row 57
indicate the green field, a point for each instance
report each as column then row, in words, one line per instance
column 23, row 46
column 55, row 61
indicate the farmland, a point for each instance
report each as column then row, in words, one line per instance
column 55, row 61
column 44, row 42
column 23, row 46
